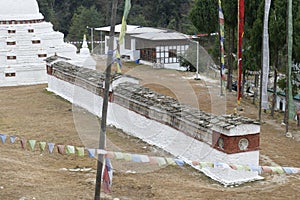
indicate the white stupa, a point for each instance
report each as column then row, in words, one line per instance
column 25, row 41
column 84, row 58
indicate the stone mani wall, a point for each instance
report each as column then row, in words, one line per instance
column 223, row 133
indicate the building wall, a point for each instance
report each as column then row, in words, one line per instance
column 160, row 53
column 28, row 64
column 281, row 103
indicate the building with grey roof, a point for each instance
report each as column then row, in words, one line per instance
column 150, row 45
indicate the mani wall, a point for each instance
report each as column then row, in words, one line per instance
column 160, row 120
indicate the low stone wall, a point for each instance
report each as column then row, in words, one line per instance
column 155, row 117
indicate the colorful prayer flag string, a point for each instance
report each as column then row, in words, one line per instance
column 139, row 158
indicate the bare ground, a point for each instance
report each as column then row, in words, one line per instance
column 33, row 113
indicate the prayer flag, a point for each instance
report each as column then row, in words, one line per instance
column 161, row 161
column 136, row 158
column 124, row 18
column 291, row 170
column 222, row 37
column 107, row 176
column 179, row 162
column 206, row 164
column 32, row 144
column 291, row 107
column 12, row 139
column 60, row 148
column 145, row 159
column 3, row 138
column 119, row 155
column 122, row 35
column 101, row 151
column 70, row 149
column 23, row 143
column 240, row 46
column 127, row 156
column 266, row 169
column 42, row 145
column 91, row 153
column 110, row 154
column 153, row 160
column 266, row 57
column 170, row 161
column 80, row 151
column 257, row 169
column 50, row 147
column 278, row 170
column 118, row 59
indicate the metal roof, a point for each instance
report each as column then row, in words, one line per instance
column 162, row 36
column 148, row 33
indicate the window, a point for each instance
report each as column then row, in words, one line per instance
column 11, row 57
column 172, row 53
column 11, row 74
column 148, row 54
column 36, row 41
column 11, row 31
column 11, row 43
column 42, row 55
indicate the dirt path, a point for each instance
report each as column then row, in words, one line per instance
column 31, row 112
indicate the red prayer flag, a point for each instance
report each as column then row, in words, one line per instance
column 240, row 44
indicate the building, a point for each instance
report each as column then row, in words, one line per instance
column 150, row 45
column 281, row 101
column 26, row 39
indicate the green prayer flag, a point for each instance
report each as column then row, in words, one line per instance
column 32, row 144
column 119, row 155
column 70, row 149
column 127, row 157
column 170, row 161
column 161, row 161
column 80, row 151
column 42, row 145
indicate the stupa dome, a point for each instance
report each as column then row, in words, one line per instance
column 19, row 10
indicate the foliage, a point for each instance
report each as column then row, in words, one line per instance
column 204, row 16
column 282, row 85
column 155, row 13
column 83, row 18
column 188, row 16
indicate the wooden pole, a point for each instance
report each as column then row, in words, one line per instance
column 102, row 139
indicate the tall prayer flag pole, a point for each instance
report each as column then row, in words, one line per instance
column 221, row 36
column 240, row 43
column 265, row 58
column 102, row 139
column 290, row 110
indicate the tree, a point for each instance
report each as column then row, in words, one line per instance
column 230, row 10
column 296, row 44
column 47, row 9
column 82, row 18
column 204, row 16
